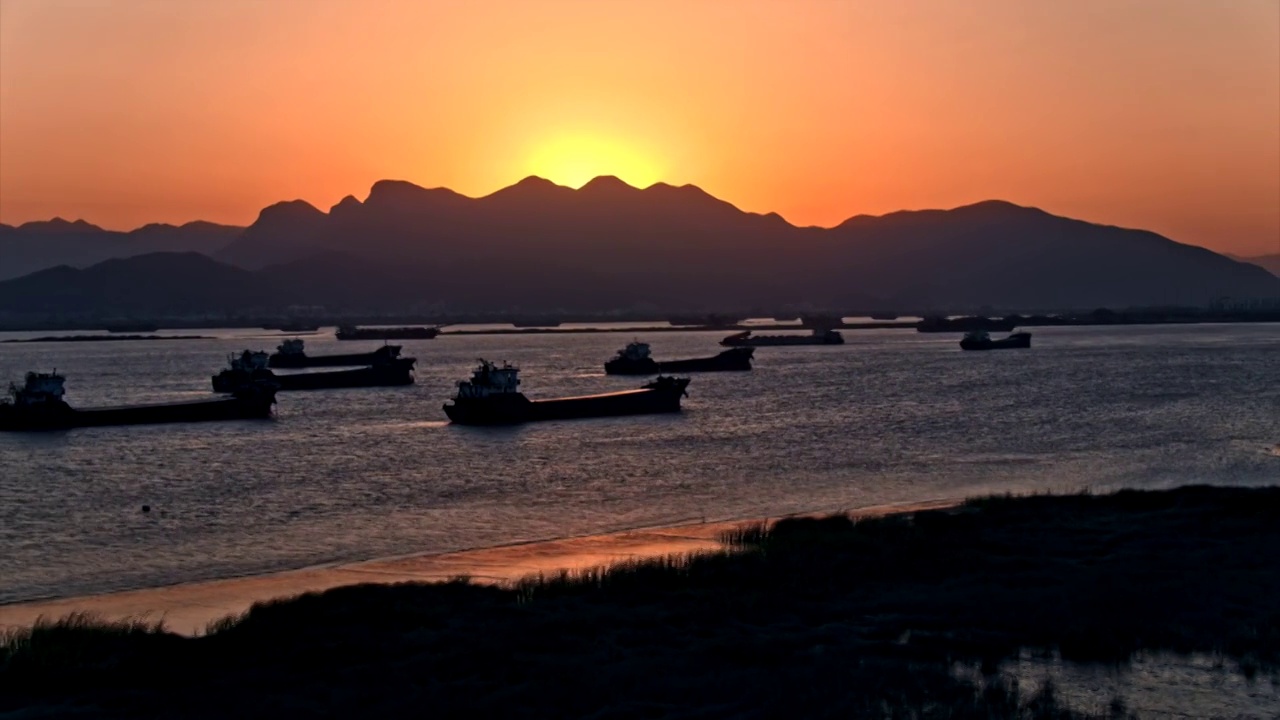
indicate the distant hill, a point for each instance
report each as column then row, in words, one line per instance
column 1270, row 263
column 39, row 245
column 537, row 246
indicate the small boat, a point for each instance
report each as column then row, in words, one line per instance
column 39, row 405
column 492, row 397
column 883, row 316
column 251, row 366
column 980, row 340
column 353, row 332
column 292, row 354
column 817, row 337
column 635, row 359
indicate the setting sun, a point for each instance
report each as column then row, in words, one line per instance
column 573, row 159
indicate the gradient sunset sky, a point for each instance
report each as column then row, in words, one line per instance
column 1161, row 114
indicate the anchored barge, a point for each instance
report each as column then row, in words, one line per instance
column 39, row 405
column 817, row 337
column 251, row 366
column 492, row 397
column 635, row 359
column 292, row 354
column 351, row 332
column 980, row 340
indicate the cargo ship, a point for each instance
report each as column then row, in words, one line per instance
column 39, row 405
column 635, row 359
column 292, row 354
column 251, row 366
column 492, row 397
column 817, row 337
column 980, row 340
column 353, row 332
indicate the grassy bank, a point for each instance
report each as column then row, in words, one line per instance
column 807, row 618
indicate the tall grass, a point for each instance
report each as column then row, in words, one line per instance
column 802, row 618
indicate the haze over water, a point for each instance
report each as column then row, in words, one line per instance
column 890, row 417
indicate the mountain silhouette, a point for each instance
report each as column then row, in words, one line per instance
column 1270, row 263
column 537, row 246
column 38, row 245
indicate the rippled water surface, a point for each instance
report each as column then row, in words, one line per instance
column 891, row 416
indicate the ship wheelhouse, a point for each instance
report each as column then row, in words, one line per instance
column 489, row 380
column 38, row 389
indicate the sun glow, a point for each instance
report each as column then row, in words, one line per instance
column 573, row 160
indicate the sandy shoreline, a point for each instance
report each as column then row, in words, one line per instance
column 188, row 608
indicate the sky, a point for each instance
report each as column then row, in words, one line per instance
column 1159, row 114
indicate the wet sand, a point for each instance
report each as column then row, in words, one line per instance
column 188, row 608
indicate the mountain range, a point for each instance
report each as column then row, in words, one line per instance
column 38, row 245
column 537, row 246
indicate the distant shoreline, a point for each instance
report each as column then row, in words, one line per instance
column 105, row 338
column 555, row 327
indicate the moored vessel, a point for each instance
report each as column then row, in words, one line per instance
column 980, row 340
column 492, row 397
column 292, row 354
column 635, row 359
column 251, row 366
column 39, row 405
column 817, row 337
column 354, row 332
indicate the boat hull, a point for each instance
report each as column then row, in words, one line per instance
column 302, row 360
column 1017, row 341
column 61, row 416
column 732, row 360
column 395, row 373
column 780, row 340
column 399, row 333
column 516, row 408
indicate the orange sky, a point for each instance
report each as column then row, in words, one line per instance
column 1163, row 114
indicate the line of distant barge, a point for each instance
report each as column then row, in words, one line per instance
column 959, row 324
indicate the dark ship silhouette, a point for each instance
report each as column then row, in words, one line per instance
column 817, row 337
column 980, row 340
column 635, row 359
column 492, row 397
column 251, row 366
column 292, row 354
column 39, row 405
column 352, row 332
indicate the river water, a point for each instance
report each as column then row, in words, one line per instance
column 891, row 416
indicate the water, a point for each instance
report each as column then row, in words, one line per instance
column 891, row 416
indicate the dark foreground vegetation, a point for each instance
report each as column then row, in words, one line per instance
column 808, row 618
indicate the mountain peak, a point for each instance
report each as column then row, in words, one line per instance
column 346, row 204
column 58, row 225
column 532, row 187
column 289, row 210
column 605, row 183
column 394, row 192
column 996, row 207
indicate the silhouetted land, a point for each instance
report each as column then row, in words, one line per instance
column 106, row 338
column 1102, row 316
column 807, row 618
column 537, row 247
